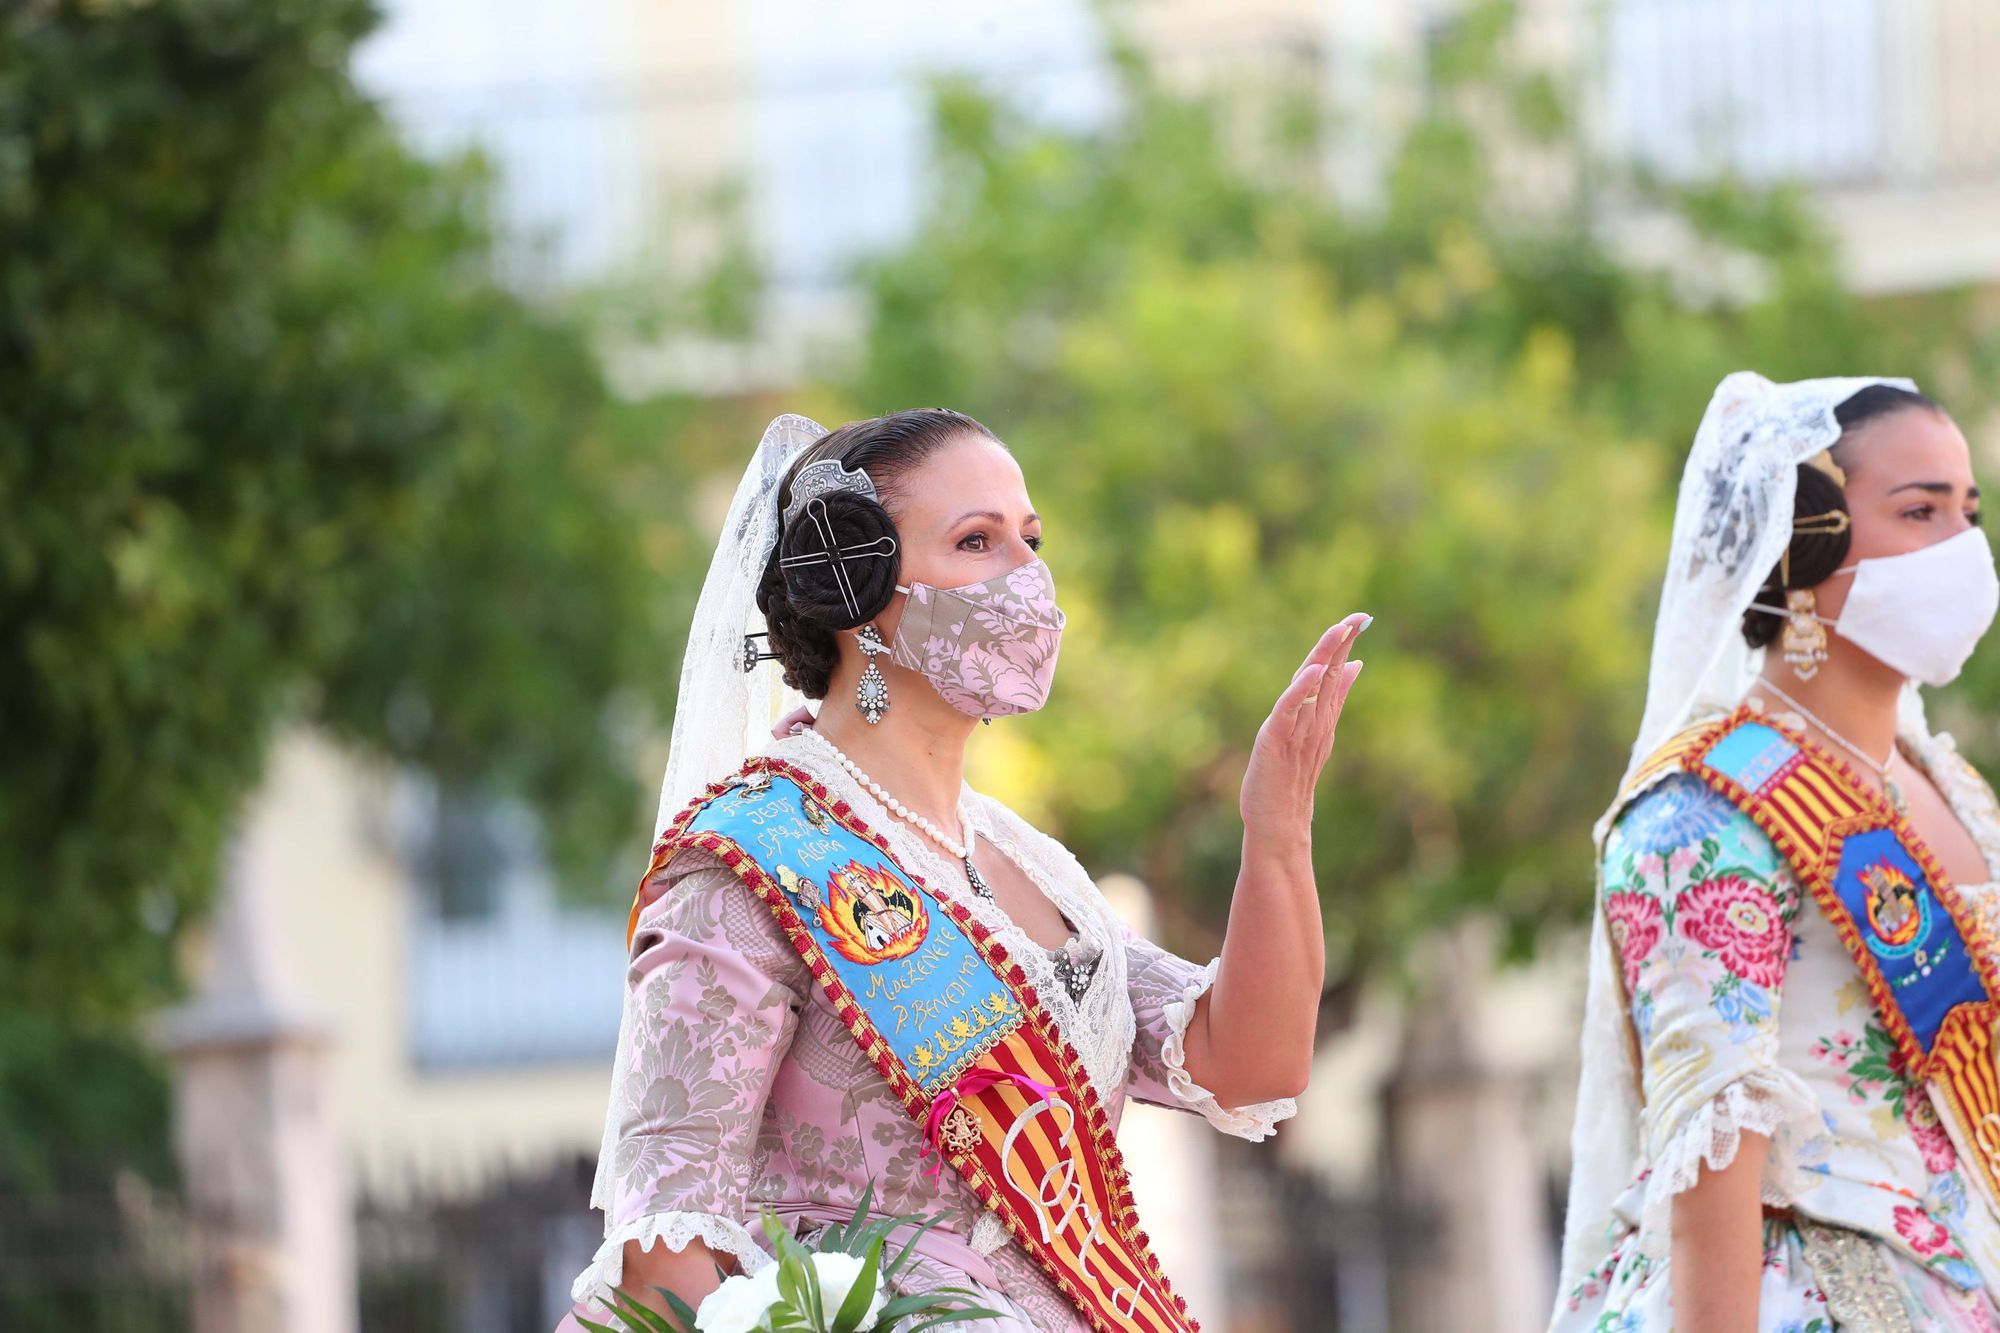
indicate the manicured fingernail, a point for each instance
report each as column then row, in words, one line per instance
column 1366, row 621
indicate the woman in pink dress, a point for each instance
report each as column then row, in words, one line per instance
column 890, row 569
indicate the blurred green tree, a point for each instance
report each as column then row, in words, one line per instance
column 276, row 445
column 1247, row 408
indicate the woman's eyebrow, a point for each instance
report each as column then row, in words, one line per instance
column 991, row 516
column 1934, row 487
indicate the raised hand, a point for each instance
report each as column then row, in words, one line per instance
column 1296, row 740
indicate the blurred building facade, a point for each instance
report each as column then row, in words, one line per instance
column 604, row 120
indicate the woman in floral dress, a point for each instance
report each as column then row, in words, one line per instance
column 739, row 1088
column 1770, row 1160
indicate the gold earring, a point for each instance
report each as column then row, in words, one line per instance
column 1804, row 640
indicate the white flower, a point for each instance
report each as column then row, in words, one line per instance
column 837, row 1273
column 740, row 1304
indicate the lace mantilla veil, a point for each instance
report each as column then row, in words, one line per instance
column 723, row 714
column 1732, row 521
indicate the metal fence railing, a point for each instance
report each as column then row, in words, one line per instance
column 133, row 1258
column 1885, row 94
column 114, row 1260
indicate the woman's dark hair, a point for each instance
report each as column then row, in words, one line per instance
column 804, row 607
column 1817, row 553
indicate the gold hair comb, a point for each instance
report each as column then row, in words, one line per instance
column 1823, row 460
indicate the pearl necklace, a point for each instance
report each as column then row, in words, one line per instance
column 1881, row 767
column 962, row 851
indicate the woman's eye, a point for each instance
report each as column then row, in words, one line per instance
column 1035, row 543
column 1975, row 518
column 1921, row 513
column 974, row 541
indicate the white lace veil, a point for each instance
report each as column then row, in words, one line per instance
column 723, row 714
column 1732, row 521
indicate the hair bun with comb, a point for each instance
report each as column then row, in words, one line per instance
column 839, row 559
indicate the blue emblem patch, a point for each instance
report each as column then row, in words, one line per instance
column 909, row 966
column 1752, row 754
column 1912, row 937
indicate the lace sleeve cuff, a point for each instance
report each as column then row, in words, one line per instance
column 1773, row 1102
column 721, row 1234
column 1254, row 1122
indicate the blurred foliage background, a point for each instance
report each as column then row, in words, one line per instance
column 274, row 444
column 1246, row 410
column 277, row 445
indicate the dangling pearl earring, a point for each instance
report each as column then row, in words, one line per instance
column 871, row 696
column 1804, row 639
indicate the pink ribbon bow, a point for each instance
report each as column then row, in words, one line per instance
column 970, row 1084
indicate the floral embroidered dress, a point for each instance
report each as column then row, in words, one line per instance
column 749, row 1092
column 1750, row 1016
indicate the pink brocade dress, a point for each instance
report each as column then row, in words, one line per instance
column 748, row 1092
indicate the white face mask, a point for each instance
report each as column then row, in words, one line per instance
column 1923, row 612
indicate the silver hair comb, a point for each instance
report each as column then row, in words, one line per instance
column 824, row 478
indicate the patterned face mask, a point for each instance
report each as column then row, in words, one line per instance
column 989, row 648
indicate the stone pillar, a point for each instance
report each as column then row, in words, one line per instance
column 1464, row 1163
column 266, row 1184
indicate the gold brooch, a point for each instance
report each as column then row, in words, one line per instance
column 960, row 1133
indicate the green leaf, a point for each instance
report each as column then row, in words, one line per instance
column 792, row 1282
column 910, row 1246
column 924, row 1302
column 862, row 1294
column 798, row 1283
column 681, row 1309
column 642, row 1319
column 847, row 1242
column 956, row 1317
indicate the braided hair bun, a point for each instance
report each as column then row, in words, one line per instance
column 839, row 560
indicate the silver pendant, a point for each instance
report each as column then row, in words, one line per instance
column 871, row 696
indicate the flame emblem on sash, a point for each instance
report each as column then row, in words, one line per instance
column 1893, row 909
column 870, row 916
